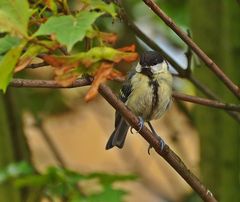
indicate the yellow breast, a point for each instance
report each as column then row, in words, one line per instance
column 141, row 97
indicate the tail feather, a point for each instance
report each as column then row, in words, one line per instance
column 118, row 136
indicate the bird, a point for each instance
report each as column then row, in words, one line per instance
column 147, row 92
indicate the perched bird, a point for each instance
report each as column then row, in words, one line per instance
column 147, row 93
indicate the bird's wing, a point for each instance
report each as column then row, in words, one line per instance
column 118, row 136
column 124, row 94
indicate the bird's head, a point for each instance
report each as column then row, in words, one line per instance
column 151, row 62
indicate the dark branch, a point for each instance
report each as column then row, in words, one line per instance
column 206, row 102
column 27, row 83
column 19, row 83
column 166, row 153
column 37, row 65
column 209, row 63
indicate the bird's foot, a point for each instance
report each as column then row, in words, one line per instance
column 161, row 142
column 140, row 125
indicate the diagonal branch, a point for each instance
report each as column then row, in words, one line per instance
column 166, row 153
column 209, row 63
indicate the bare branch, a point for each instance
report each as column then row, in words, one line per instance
column 209, row 63
column 37, row 65
column 19, row 83
column 27, row 83
column 206, row 102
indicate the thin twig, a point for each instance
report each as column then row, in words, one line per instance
column 201, row 54
column 19, row 83
column 206, row 102
column 27, row 83
column 37, row 65
column 189, row 55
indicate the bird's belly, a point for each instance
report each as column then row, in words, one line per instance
column 140, row 101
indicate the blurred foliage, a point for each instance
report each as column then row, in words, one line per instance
column 59, row 183
column 35, row 101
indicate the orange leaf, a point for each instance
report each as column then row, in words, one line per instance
column 66, row 81
column 130, row 48
column 100, row 77
column 67, row 78
column 116, row 75
column 130, row 57
column 22, row 64
column 108, row 37
column 62, row 64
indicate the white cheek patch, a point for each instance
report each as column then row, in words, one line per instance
column 159, row 67
column 138, row 68
column 164, row 65
column 156, row 68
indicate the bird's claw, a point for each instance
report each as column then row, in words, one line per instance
column 161, row 142
column 140, row 125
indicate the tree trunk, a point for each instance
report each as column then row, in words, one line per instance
column 215, row 26
column 12, row 143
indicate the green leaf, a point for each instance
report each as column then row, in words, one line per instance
column 99, row 4
column 14, row 16
column 68, row 29
column 3, row 176
column 109, row 194
column 7, row 64
column 31, row 181
column 107, row 179
column 7, row 43
column 17, row 169
column 92, row 56
column 52, row 5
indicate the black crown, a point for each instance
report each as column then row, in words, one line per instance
column 150, row 58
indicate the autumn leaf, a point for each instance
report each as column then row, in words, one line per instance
column 100, row 77
column 110, row 38
column 22, row 65
column 131, row 48
column 32, row 51
column 68, row 68
column 51, row 4
column 67, row 78
column 116, row 75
